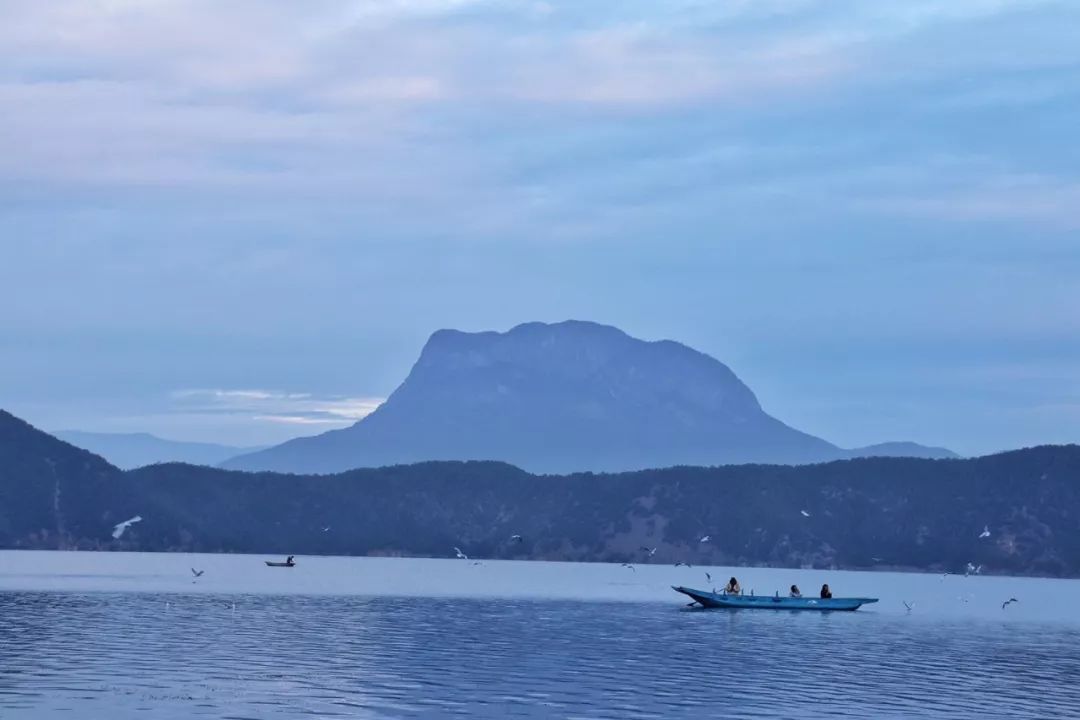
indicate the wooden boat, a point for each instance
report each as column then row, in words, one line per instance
column 709, row 599
column 271, row 563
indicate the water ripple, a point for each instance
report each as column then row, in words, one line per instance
column 127, row 655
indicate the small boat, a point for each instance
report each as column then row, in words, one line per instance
column 708, row 599
column 289, row 562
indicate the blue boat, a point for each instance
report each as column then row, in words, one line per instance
column 708, row 599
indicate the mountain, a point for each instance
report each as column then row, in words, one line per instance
column 53, row 494
column 906, row 513
column 132, row 450
column 565, row 397
column 902, row 449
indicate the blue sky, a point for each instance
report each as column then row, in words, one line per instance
column 240, row 221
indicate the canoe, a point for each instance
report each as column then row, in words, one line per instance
column 279, row 564
column 708, row 599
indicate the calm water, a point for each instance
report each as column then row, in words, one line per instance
column 91, row 635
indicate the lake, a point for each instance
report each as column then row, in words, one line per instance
column 128, row 635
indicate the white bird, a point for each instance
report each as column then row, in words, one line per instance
column 704, row 538
column 1007, row 602
column 197, row 573
column 804, row 513
column 119, row 528
column 651, row 551
column 461, row 555
column 516, row 538
column 973, row 569
column 683, row 564
column 908, row 605
column 628, row 565
column 985, row 533
column 326, row 529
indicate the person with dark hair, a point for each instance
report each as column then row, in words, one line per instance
column 733, row 587
column 795, row 591
column 826, row 593
column 289, row 561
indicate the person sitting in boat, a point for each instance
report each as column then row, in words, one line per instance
column 733, row 587
column 826, row 593
column 289, row 561
column 795, row 591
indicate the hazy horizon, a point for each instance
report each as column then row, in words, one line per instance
column 239, row 223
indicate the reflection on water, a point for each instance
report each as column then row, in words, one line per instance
column 136, row 655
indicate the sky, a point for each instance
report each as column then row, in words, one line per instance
column 239, row 222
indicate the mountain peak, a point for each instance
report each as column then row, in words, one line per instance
column 556, row 397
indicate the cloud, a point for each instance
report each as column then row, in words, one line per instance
column 276, row 407
column 206, row 93
column 1022, row 197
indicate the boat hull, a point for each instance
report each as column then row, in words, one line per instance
column 279, row 564
column 708, row 599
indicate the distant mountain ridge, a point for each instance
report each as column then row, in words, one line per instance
column 563, row 397
column 904, row 513
column 902, row 449
column 132, row 450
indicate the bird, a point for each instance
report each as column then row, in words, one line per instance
column 460, row 555
column 326, row 529
column 876, row 559
column 1007, row 602
column 804, row 513
column 708, row 577
column 477, row 562
column 985, row 533
column 683, row 564
column 197, row 573
column 651, row 551
column 704, row 539
column 908, row 605
column 119, row 528
column 972, row 569
column 516, row 538
column 628, row 565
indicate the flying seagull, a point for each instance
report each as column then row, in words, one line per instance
column 908, row 605
column 119, row 528
column 197, row 573
column 973, row 569
column 628, row 565
column 1010, row 600
column 516, row 538
column 461, row 555
column 708, row 577
column 704, row 538
column 683, row 564
column 985, row 533
column 651, row 551
column 326, row 529
column 804, row 513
